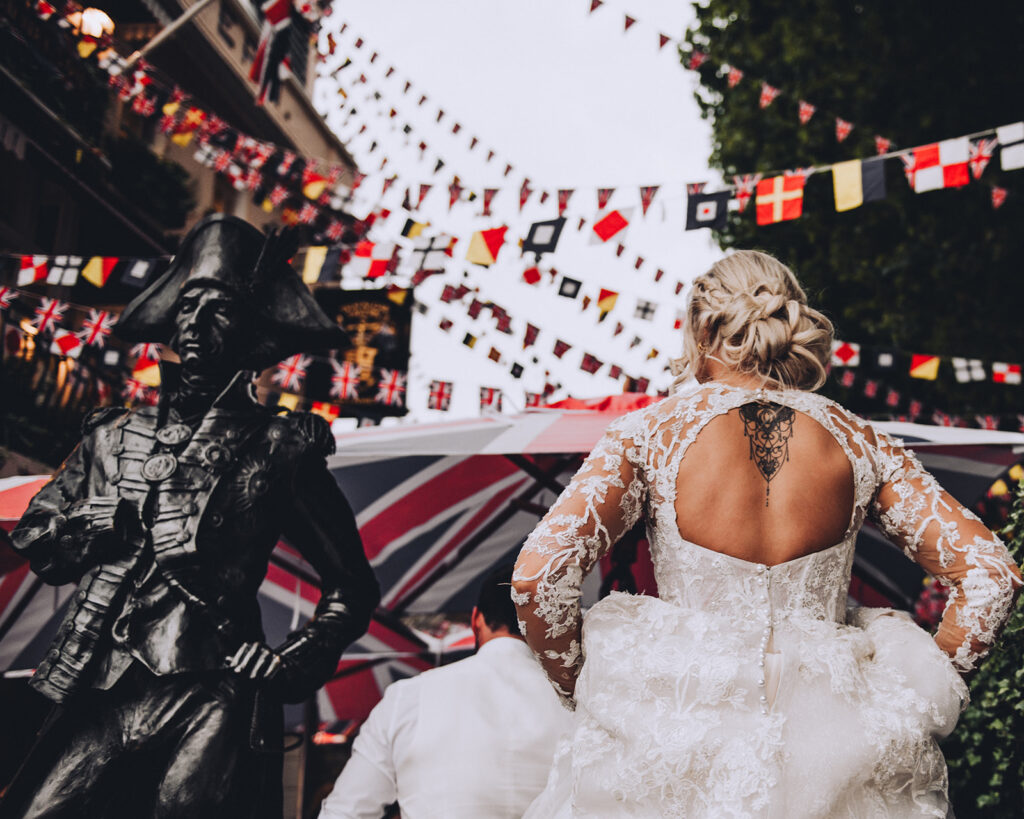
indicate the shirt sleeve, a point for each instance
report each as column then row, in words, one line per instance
column 602, row 502
column 951, row 543
column 368, row 782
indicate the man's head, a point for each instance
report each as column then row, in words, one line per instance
column 494, row 614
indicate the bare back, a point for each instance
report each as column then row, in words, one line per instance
column 764, row 483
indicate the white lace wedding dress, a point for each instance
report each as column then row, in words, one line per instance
column 747, row 689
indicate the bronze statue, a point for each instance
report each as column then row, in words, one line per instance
column 169, row 700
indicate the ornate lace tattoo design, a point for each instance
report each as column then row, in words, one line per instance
column 769, row 428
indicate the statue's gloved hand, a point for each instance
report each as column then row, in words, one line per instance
column 106, row 527
column 257, row 661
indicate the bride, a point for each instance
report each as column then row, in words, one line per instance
column 748, row 688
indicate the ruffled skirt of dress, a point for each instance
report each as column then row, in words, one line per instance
column 669, row 720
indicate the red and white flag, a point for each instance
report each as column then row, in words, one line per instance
column 440, row 396
column 33, row 269
column 391, row 388
column 981, row 155
column 371, row 260
column 563, row 199
column 941, row 165
column 998, row 197
column 8, row 295
column 806, row 112
column 49, row 314
column 735, row 75
column 345, row 379
column 647, row 196
column 610, row 224
column 843, row 129
column 882, row 145
column 845, row 354
column 66, row 343
column 603, row 195
column 96, row 328
column 291, row 372
column 768, row 94
column 1003, row 373
column 745, row 186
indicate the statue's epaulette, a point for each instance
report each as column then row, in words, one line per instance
column 315, row 430
column 100, row 416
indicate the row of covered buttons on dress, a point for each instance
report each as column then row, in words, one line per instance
column 764, row 579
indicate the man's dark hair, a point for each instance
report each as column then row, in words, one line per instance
column 494, row 601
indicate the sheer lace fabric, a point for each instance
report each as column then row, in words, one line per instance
column 711, row 700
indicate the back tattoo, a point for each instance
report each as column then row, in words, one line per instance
column 769, row 427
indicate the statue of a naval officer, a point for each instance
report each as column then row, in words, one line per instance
column 166, row 517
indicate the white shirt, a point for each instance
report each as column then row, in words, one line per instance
column 471, row 740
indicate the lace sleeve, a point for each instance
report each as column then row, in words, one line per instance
column 601, row 503
column 951, row 543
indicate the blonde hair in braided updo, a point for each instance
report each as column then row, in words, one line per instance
column 749, row 313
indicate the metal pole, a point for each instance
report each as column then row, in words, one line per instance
column 168, row 31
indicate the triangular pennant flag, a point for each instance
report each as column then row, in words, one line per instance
column 647, row 196
column 629, row 22
column 424, row 190
column 591, row 363
column 595, row 4
column 563, row 199
column 454, row 192
column 843, row 129
column 735, row 75
column 530, row 336
column 561, row 348
column 484, row 246
column 697, row 59
column 768, row 95
column 663, row 40
column 806, row 112
column 524, row 193
column 603, row 195
column 998, row 197
column 488, row 198
column 981, row 155
column 882, row 145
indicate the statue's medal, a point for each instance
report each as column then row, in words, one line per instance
column 174, row 434
column 159, row 467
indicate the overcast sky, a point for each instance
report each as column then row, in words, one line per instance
column 570, row 100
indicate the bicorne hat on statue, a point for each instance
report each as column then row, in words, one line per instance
column 229, row 253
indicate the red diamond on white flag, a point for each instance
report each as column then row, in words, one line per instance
column 613, row 223
column 66, row 343
column 806, row 112
column 345, row 380
column 845, row 354
column 768, row 94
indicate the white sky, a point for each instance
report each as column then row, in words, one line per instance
column 571, row 101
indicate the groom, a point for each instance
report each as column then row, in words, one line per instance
column 169, row 700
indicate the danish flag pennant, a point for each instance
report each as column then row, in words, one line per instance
column 345, row 379
column 806, row 112
column 843, row 129
column 440, row 397
column 981, row 155
column 735, row 75
column 563, row 199
column 49, row 314
column 768, row 95
column 96, row 328
column 603, row 195
column 391, row 388
column 647, row 196
column 882, row 145
column 291, row 372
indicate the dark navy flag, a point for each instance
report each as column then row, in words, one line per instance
column 707, row 210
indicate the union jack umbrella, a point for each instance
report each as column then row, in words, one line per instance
column 440, row 396
column 49, row 314
column 391, row 387
column 345, row 379
column 96, row 328
column 291, row 372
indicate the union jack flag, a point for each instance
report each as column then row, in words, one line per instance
column 882, row 145
column 8, row 295
column 745, row 186
column 806, row 111
column 222, row 162
column 49, row 314
column 768, row 94
column 144, row 106
column 96, row 328
column 981, row 155
column 440, row 397
column 490, row 398
column 291, row 372
column 987, row 421
column 345, row 380
column 909, row 167
column 308, row 213
column 146, row 352
column 391, row 388
column 334, row 230
column 278, row 195
column 134, row 390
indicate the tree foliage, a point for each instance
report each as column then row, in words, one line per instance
column 986, row 752
column 937, row 272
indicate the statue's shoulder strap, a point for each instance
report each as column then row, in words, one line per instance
column 100, row 416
